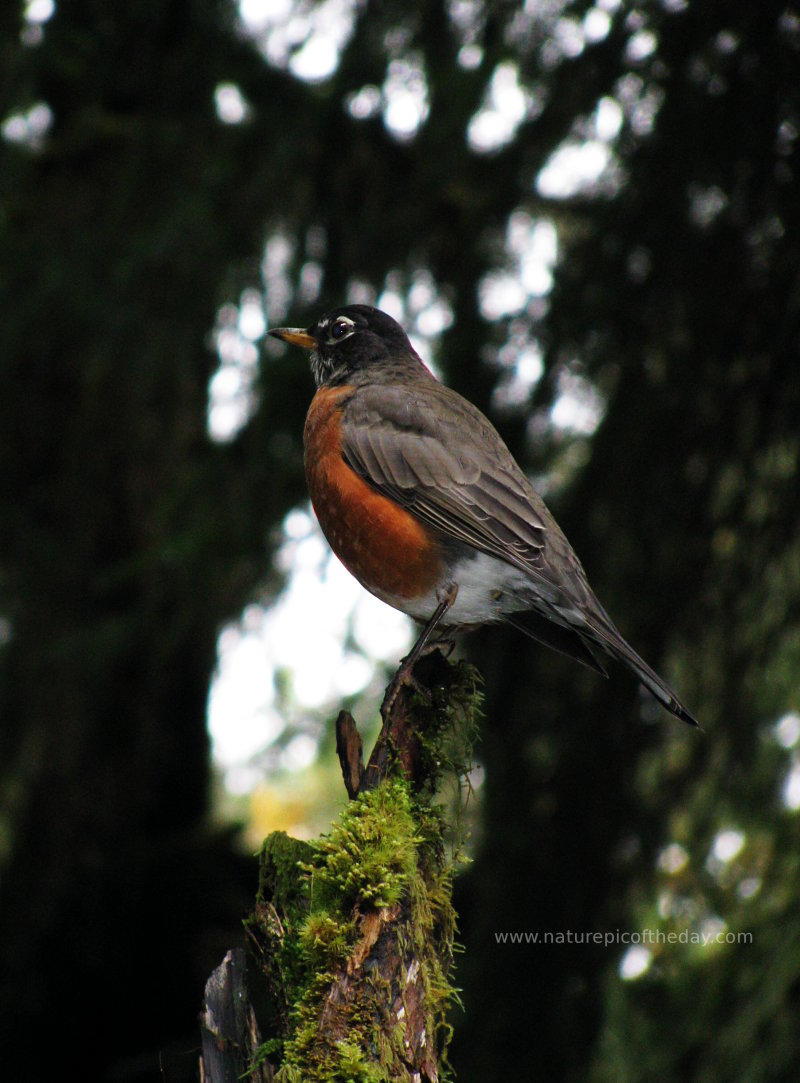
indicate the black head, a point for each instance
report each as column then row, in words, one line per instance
column 348, row 339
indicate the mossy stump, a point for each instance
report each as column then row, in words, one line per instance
column 353, row 934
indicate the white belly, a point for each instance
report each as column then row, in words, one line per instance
column 488, row 589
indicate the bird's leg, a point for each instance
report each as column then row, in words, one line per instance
column 403, row 674
column 420, row 646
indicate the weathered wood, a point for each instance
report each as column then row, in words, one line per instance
column 399, row 742
column 385, row 976
column 228, row 1027
column 350, row 750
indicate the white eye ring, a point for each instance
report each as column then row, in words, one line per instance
column 341, row 328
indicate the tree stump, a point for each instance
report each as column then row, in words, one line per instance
column 353, row 935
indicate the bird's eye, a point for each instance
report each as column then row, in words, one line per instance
column 341, row 328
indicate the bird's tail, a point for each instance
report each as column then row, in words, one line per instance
column 612, row 642
column 578, row 628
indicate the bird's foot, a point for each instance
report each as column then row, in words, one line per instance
column 404, row 676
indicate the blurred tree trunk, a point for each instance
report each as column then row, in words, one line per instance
column 126, row 536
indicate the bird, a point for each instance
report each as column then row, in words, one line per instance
column 422, row 501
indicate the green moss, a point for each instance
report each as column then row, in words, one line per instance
column 281, row 879
column 369, row 856
column 325, row 938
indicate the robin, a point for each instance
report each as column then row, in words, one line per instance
column 424, row 504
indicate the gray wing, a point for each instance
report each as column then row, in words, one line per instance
column 440, row 458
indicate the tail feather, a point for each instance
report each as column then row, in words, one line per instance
column 556, row 636
column 612, row 642
column 596, row 629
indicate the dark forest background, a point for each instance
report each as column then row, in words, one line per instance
column 131, row 212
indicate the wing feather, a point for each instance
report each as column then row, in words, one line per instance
column 451, row 469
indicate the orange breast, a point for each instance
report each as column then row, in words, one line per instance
column 389, row 551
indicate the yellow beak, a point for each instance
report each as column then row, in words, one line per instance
column 295, row 335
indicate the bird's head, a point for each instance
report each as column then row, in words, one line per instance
column 347, row 340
